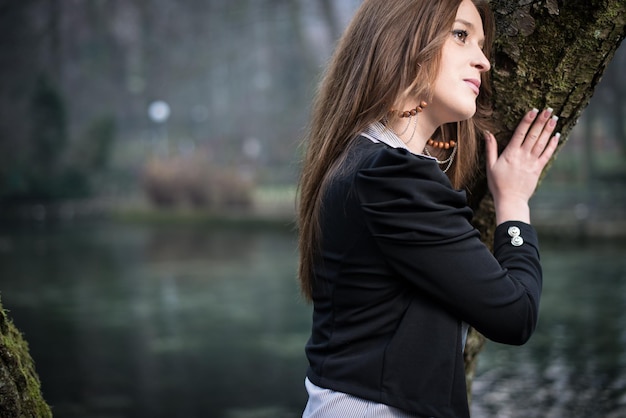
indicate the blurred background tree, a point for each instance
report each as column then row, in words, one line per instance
column 79, row 78
column 43, row 158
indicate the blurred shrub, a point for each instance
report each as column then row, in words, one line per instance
column 93, row 152
column 161, row 182
column 48, row 166
column 195, row 181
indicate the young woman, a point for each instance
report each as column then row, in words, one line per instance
column 388, row 255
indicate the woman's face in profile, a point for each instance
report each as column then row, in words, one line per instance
column 462, row 62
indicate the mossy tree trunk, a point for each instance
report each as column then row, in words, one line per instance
column 548, row 53
column 20, row 390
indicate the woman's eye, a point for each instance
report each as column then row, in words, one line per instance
column 460, row 35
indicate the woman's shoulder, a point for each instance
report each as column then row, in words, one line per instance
column 385, row 173
column 384, row 160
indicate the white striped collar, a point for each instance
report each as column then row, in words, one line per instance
column 377, row 132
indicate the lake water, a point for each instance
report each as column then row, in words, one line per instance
column 128, row 320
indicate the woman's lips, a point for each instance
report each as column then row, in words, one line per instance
column 474, row 84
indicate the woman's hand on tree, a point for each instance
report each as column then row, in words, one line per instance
column 513, row 175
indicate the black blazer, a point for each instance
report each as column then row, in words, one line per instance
column 399, row 268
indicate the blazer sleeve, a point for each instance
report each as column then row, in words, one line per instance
column 422, row 227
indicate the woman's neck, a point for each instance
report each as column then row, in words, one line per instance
column 414, row 131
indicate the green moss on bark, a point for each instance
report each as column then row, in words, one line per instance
column 20, row 389
column 546, row 55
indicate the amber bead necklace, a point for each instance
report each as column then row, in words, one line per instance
column 446, row 145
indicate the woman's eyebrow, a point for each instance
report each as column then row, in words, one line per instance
column 471, row 27
column 465, row 22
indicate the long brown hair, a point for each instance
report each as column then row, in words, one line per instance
column 390, row 51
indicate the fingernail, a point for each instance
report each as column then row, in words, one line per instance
column 548, row 112
column 558, row 135
column 534, row 111
column 487, row 134
column 553, row 121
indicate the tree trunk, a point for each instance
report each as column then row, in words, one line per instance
column 20, row 389
column 548, row 53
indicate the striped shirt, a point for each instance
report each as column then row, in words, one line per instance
column 326, row 403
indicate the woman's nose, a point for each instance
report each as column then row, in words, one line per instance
column 481, row 62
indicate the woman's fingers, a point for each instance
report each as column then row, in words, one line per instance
column 522, row 129
column 535, row 127
column 544, row 137
column 546, row 153
column 538, row 127
column 531, row 143
column 530, row 149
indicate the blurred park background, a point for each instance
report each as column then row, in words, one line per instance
column 149, row 152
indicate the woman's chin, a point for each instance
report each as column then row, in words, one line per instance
column 462, row 114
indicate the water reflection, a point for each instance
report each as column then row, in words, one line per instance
column 575, row 364
column 140, row 321
column 137, row 322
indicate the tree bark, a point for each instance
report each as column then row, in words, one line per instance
column 20, row 389
column 548, row 53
